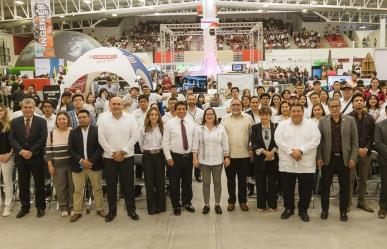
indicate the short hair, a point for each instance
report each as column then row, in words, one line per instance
column 357, row 95
column 235, row 88
column 66, row 94
column 28, row 101
column 78, row 95
column 333, row 100
column 316, row 82
column 173, row 86
column 264, row 110
column 183, row 103
column 172, row 99
column 297, row 105
column 143, row 96
column 260, row 87
column 254, row 97
column 313, row 93
column 134, row 88
column 265, row 95
column 83, row 111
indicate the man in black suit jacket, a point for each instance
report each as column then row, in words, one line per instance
column 87, row 164
column 28, row 137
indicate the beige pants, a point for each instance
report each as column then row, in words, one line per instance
column 95, row 178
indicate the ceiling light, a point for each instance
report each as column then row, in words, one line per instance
column 19, row 17
column 363, row 27
column 102, row 9
column 157, row 13
column 304, row 10
column 114, row 14
column 87, row 1
column 61, row 16
column 19, row 2
column 265, row 5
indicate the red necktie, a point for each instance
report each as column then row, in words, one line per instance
column 28, row 127
column 184, row 135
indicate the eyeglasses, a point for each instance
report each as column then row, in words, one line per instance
column 335, row 106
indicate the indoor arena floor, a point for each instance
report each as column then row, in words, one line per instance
column 236, row 230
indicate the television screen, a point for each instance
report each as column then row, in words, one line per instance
column 340, row 78
column 237, row 67
column 317, row 72
column 197, row 83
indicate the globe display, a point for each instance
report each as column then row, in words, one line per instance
column 68, row 45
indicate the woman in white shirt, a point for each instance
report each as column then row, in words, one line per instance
column 317, row 113
column 283, row 113
column 275, row 104
column 210, row 152
column 153, row 163
column 324, row 97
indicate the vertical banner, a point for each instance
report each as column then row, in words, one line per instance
column 42, row 28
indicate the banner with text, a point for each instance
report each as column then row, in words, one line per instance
column 42, row 28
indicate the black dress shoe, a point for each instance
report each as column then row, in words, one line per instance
column 286, row 214
column 304, row 216
column 133, row 215
column 110, row 216
column 40, row 213
column 198, row 179
column 177, row 211
column 206, row 209
column 189, row 208
column 343, row 216
column 22, row 213
column 324, row 214
column 218, row 209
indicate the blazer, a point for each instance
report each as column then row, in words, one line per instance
column 94, row 149
column 257, row 142
column 251, row 113
column 349, row 139
column 36, row 142
column 381, row 141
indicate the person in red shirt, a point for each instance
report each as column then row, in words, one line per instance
column 375, row 90
column 166, row 84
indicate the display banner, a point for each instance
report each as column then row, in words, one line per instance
column 42, row 28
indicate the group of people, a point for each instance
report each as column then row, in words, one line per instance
column 277, row 140
column 307, row 39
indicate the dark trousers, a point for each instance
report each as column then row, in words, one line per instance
column 383, row 190
column 154, row 173
column 181, row 175
column 137, row 150
column 305, row 185
column 266, row 182
column 336, row 166
column 239, row 167
column 34, row 166
column 197, row 173
column 125, row 173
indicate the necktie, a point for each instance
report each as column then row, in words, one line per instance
column 28, row 127
column 184, row 135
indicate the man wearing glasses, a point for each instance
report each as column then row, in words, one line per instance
column 337, row 153
column 238, row 126
column 48, row 114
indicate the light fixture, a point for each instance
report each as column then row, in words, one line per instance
column 19, row 17
column 61, row 16
column 304, row 10
column 87, row 1
column 157, row 13
column 19, row 2
column 102, row 9
column 265, row 5
column 363, row 27
column 114, row 14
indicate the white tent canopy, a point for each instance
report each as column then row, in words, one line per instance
column 112, row 60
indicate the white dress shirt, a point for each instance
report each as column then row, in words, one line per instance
column 134, row 104
column 85, row 133
column 51, row 122
column 168, row 116
column 139, row 115
column 116, row 135
column 150, row 140
column 305, row 137
column 196, row 116
column 211, row 146
column 344, row 104
column 173, row 140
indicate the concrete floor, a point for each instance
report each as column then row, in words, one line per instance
column 230, row 230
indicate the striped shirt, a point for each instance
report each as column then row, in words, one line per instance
column 56, row 150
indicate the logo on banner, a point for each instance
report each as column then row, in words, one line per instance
column 42, row 28
column 99, row 58
column 132, row 59
column 79, row 84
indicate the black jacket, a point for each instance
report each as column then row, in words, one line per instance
column 258, row 143
column 36, row 142
column 94, row 149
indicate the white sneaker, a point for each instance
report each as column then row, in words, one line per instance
column 64, row 213
column 6, row 211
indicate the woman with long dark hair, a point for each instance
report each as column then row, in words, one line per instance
column 373, row 108
column 210, row 152
column 153, row 163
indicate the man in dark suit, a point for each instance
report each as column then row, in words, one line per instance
column 337, row 153
column 381, row 147
column 86, row 156
column 28, row 137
